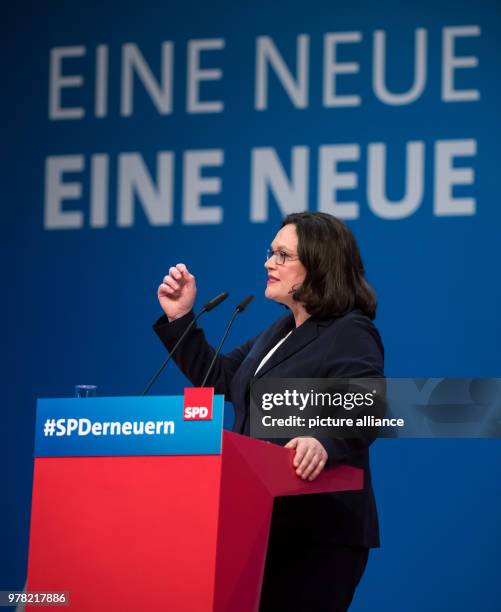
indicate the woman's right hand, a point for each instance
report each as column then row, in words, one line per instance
column 177, row 292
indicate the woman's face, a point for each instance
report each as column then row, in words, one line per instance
column 284, row 279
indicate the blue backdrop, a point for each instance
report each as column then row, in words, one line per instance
column 140, row 135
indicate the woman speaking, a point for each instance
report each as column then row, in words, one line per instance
column 319, row 544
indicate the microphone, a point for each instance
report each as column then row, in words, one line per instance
column 214, row 302
column 206, row 308
column 244, row 303
column 240, row 308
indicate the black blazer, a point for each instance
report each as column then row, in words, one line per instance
column 348, row 346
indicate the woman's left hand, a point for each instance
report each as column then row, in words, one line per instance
column 310, row 457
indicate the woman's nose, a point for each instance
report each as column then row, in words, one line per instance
column 270, row 263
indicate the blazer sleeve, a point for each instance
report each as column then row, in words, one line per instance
column 357, row 352
column 195, row 354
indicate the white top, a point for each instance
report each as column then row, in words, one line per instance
column 270, row 353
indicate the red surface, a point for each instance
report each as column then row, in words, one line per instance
column 141, row 533
column 254, row 473
column 126, row 533
column 272, row 464
column 244, row 524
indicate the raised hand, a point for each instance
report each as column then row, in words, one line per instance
column 177, row 292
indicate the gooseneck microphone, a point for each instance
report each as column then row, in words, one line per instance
column 207, row 307
column 240, row 308
column 213, row 303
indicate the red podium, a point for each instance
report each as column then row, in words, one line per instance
column 177, row 533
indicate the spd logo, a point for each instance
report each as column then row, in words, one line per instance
column 198, row 403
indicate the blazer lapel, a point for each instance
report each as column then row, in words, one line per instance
column 301, row 336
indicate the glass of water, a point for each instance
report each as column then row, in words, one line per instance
column 85, row 390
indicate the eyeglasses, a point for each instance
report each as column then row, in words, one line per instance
column 280, row 257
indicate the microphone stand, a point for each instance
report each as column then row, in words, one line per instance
column 209, row 306
column 240, row 308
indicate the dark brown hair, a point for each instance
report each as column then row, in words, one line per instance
column 335, row 277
